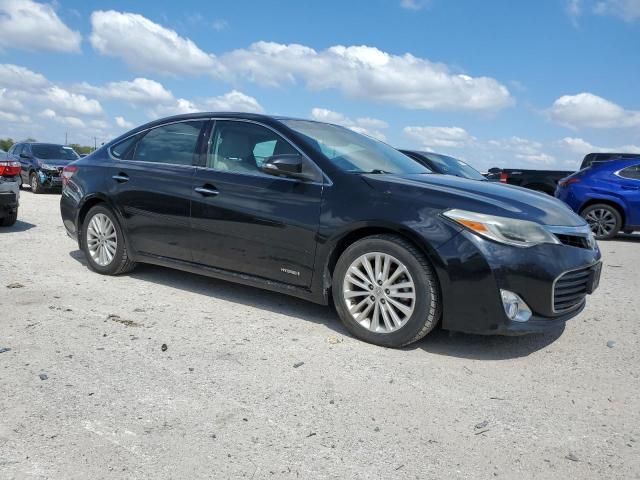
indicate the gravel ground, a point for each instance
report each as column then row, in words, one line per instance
column 258, row 385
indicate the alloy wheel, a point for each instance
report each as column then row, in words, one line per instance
column 102, row 239
column 601, row 221
column 379, row 292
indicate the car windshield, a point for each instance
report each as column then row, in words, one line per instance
column 49, row 151
column 354, row 152
column 453, row 166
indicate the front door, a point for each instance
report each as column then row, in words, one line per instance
column 247, row 221
column 151, row 182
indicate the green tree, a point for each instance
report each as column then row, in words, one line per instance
column 6, row 143
column 81, row 149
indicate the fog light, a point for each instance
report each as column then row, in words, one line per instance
column 514, row 307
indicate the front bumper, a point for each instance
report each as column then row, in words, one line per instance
column 50, row 178
column 473, row 271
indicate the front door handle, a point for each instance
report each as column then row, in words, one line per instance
column 121, row 178
column 207, row 191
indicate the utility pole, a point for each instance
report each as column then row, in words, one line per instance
column 95, row 143
column 66, row 139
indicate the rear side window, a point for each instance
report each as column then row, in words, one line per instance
column 632, row 172
column 122, row 149
column 174, row 144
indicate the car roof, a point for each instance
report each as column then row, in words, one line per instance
column 615, row 164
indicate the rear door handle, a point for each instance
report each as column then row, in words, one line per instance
column 121, row 178
column 207, row 191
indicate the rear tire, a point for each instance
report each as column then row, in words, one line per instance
column 605, row 221
column 9, row 220
column 34, row 181
column 103, row 242
column 375, row 302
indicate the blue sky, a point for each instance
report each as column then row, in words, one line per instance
column 498, row 83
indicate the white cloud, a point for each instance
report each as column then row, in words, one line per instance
column 15, row 76
column 627, row 10
column 29, row 25
column 434, row 137
column 233, row 101
column 9, row 103
column 122, row 123
column 582, row 147
column 365, row 125
column 67, row 120
column 586, row 110
column 413, row 4
column 365, row 72
column 541, row 159
column 137, row 91
column 219, row 25
column 70, row 102
column 574, row 10
column 14, row 117
column 147, row 46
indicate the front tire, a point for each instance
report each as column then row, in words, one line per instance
column 605, row 221
column 103, row 242
column 385, row 291
column 36, row 186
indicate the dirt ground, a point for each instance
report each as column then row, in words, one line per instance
column 258, row 385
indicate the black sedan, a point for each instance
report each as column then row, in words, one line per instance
column 444, row 164
column 320, row 212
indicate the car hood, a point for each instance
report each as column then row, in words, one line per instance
column 56, row 162
column 447, row 192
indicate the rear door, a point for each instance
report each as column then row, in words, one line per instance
column 250, row 222
column 630, row 190
column 151, row 182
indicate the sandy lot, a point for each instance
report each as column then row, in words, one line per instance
column 258, row 385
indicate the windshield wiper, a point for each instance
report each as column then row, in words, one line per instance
column 378, row 171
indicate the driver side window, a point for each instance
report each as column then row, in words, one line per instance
column 242, row 147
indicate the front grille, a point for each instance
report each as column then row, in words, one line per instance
column 573, row 240
column 570, row 289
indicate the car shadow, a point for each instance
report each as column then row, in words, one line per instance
column 19, row 226
column 627, row 237
column 439, row 342
column 484, row 347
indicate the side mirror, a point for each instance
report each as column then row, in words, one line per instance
column 286, row 166
column 25, row 155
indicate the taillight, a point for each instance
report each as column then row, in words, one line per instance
column 9, row 169
column 67, row 173
column 503, row 177
column 568, row 181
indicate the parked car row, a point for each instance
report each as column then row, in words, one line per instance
column 323, row 213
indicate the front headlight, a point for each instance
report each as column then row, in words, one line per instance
column 519, row 233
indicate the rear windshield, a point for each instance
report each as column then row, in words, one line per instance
column 49, row 151
column 453, row 166
column 354, row 152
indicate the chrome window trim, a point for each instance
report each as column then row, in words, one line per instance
column 553, row 287
column 327, row 181
column 145, row 131
column 617, row 173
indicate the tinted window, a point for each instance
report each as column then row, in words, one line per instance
column 49, row 151
column 353, row 152
column 17, row 149
column 243, row 147
column 123, row 149
column 174, row 143
column 452, row 166
column 631, row 172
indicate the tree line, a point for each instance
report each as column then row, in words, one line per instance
column 6, row 144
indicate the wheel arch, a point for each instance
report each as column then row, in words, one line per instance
column 607, row 201
column 343, row 241
column 87, row 204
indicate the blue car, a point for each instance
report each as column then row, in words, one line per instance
column 42, row 163
column 606, row 195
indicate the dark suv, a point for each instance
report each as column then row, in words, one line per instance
column 323, row 213
column 42, row 163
